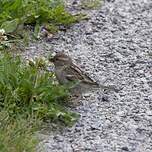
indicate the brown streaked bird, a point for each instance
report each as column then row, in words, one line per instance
column 67, row 72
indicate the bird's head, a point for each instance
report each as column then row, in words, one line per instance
column 61, row 59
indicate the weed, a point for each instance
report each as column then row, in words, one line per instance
column 15, row 15
column 18, row 135
column 28, row 94
column 18, row 12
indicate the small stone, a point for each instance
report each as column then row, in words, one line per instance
column 149, row 113
column 105, row 98
column 125, row 148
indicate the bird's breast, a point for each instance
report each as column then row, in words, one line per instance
column 61, row 76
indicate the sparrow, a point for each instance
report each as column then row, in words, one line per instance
column 67, row 73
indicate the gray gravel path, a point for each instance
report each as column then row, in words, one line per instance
column 114, row 47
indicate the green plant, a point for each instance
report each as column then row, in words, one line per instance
column 17, row 135
column 28, row 95
column 22, row 12
column 16, row 16
column 30, row 89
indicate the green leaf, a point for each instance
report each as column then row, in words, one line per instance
column 10, row 26
column 36, row 30
column 17, row 4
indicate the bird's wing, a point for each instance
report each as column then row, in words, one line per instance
column 74, row 73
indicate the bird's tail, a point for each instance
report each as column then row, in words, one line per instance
column 109, row 87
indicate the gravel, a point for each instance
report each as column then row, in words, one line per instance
column 113, row 47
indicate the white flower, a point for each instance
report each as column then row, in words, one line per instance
column 2, row 31
column 5, row 38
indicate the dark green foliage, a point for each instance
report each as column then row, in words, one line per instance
column 17, row 12
column 23, row 20
column 29, row 89
column 17, row 135
column 28, row 95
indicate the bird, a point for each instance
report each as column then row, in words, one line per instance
column 69, row 74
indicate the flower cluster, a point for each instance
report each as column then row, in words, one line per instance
column 3, row 37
